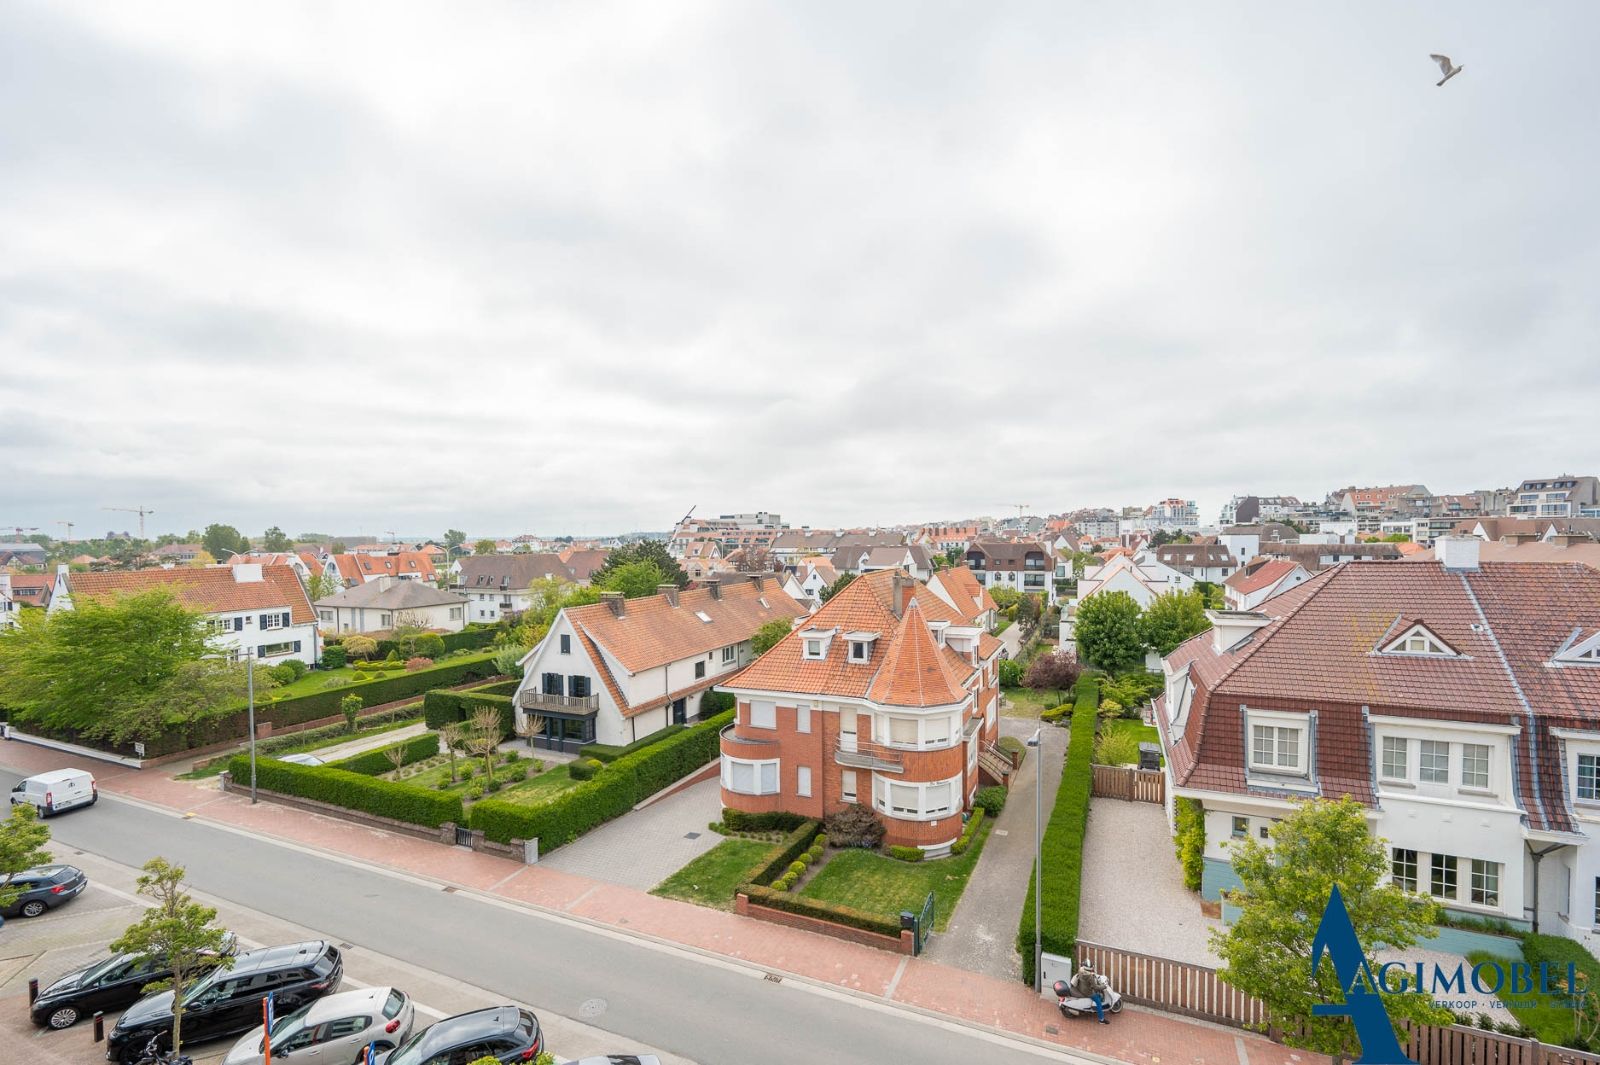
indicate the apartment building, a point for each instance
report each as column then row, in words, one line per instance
column 1565, row 496
column 1021, row 565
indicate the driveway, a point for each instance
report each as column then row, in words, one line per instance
column 643, row 848
column 1133, row 893
column 982, row 933
column 1011, row 640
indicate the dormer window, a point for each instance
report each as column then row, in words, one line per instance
column 816, row 649
column 1581, row 652
column 860, row 650
column 1417, row 640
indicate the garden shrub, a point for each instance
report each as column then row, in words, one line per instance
column 1117, row 748
column 1056, row 713
column 441, row 708
column 713, row 703
column 374, row 763
column 1190, row 840
column 475, row 791
column 773, row 821
column 797, row 867
column 991, row 800
column 782, row 857
column 518, row 774
column 340, row 787
column 422, row 645
column 360, row 647
column 855, row 826
column 623, row 785
column 1062, row 846
column 414, row 664
column 607, row 752
column 1011, row 672
column 584, row 769
column 907, row 854
column 969, row 833
column 333, row 656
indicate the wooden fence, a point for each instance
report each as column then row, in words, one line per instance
column 1196, row 991
column 1130, row 783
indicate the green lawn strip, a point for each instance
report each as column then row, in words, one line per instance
column 710, row 879
column 530, row 792
column 1552, row 1022
column 320, row 679
column 539, row 789
column 866, row 880
column 1025, row 702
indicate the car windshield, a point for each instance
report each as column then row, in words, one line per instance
column 204, row 984
column 410, row 1052
column 286, row 1028
column 98, row 972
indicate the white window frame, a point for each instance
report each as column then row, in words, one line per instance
column 272, row 621
column 860, row 651
column 729, row 653
column 1384, row 760
column 1468, row 751
column 763, row 714
column 847, row 786
column 929, row 805
column 1429, row 749
column 816, row 649
column 802, row 781
column 1417, row 640
column 886, row 723
column 1299, row 724
column 802, row 718
column 766, row 769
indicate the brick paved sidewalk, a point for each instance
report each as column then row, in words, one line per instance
column 1135, row 1036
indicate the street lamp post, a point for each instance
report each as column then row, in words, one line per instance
column 250, row 689
column 1036, row 742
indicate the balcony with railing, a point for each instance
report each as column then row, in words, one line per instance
column 571, row 704
column 865, row 754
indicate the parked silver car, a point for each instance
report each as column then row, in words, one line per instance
column 333, row 1030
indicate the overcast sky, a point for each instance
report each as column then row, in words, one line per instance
column 577, row 267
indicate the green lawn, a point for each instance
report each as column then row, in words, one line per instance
column 1123, row 735
column 709, row 880
column 871, row 882
column 219, row 764
column 321, row 679
column 1025, row 702
column 1550, row 1016
column 1141, row 732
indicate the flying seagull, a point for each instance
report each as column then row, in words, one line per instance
column 1445, row 65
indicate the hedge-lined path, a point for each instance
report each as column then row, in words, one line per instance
column 982, row 933
column 643, row 848
column 957, row 994
column 368, row 743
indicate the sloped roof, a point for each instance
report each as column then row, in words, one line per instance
column 1263, row 575
column 361, row 566
column 971, row 597
column 395, row 595
column 511, row 572
column 209, row 589
column 584, row 561
column 916, row 671
column 652, row 632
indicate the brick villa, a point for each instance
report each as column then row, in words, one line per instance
column 887, row 695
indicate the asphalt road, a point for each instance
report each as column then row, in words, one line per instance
column 712, row 1013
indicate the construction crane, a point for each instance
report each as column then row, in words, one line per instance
column 69, row 525
column 17, row 530
column 1020, row 508
column 141, row 511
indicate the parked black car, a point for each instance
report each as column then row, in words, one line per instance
column 227, row 1001
column 504, row 1032
column 109, row 984
column 44, row 888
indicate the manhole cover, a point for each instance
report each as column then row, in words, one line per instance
column 1001, row 832
column 449, row 889
column 774, row 978
column 1051, row 1029
column 691, row 835
column 593, row 1007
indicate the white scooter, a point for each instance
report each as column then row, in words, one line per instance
column 1073, row 1006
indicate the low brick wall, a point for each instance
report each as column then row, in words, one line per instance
column 709, row 772
column 906, row 944
column 445, row 833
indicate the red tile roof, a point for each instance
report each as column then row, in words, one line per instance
column 1320, row 653
column 210, row 589
column 363, row 567
column 652, row 632
column 916, row 671
column 1254, row 578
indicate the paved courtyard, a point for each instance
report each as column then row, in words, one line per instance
column 643, row 848
column 1133, row 893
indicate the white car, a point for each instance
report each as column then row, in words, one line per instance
column 333, row 1030
column 302, row 759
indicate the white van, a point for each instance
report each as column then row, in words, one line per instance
column 60, row 789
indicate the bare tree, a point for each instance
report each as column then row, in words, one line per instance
column 452, row 736
column 531, row 726
column 396, row 755
column 484, row 739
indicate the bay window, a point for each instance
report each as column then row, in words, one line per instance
column 746, row 777
column 916, row 800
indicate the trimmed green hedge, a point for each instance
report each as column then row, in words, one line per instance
column 969, row 833
column 294, row 710
column 783, row 855
column 608, row 753
column 774, row 821
column 1190, row 840
column 1062, row 846
column 907, row 854
column 446, row 707
column 1558, row 951
column 613, row 793
column 823, row 911
column 373, row 763
column 471, row 638
column 340, row 787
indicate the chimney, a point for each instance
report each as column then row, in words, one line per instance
column 760, row 582
column 1457, row 553
column 715, row 584
column 615, row 601
column 669, row 590
column 897, row 585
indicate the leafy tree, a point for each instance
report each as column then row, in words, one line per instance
column 22, row 840
column 350, row 707
column 653, row 551
column 91, row 668
column 195, row 691
column 275, row 540
column 1005, row 598
column 1171, row 619
column 1395, row 538
column 754, row 559
column 320, row 585
column 1081, row 560
column 1268, row 953
column 1108, row 631
column 548, row 596
column 201, row 559
column 360, row 646
column 455, row 542
column 223, row 540
column 484, row 547
column 1057, row 671
column 508, row 660
column 1028, row 608
column 177, row 930
column 633, row 580
column 768, row 635
column 338, row 547
column 839, row 584
column 1160, row 538
column 950, row 558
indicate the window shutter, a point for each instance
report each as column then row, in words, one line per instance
column 263, row 621
column 297, row 647
column 261, row 650
column 285, row 619
column 238, row 624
